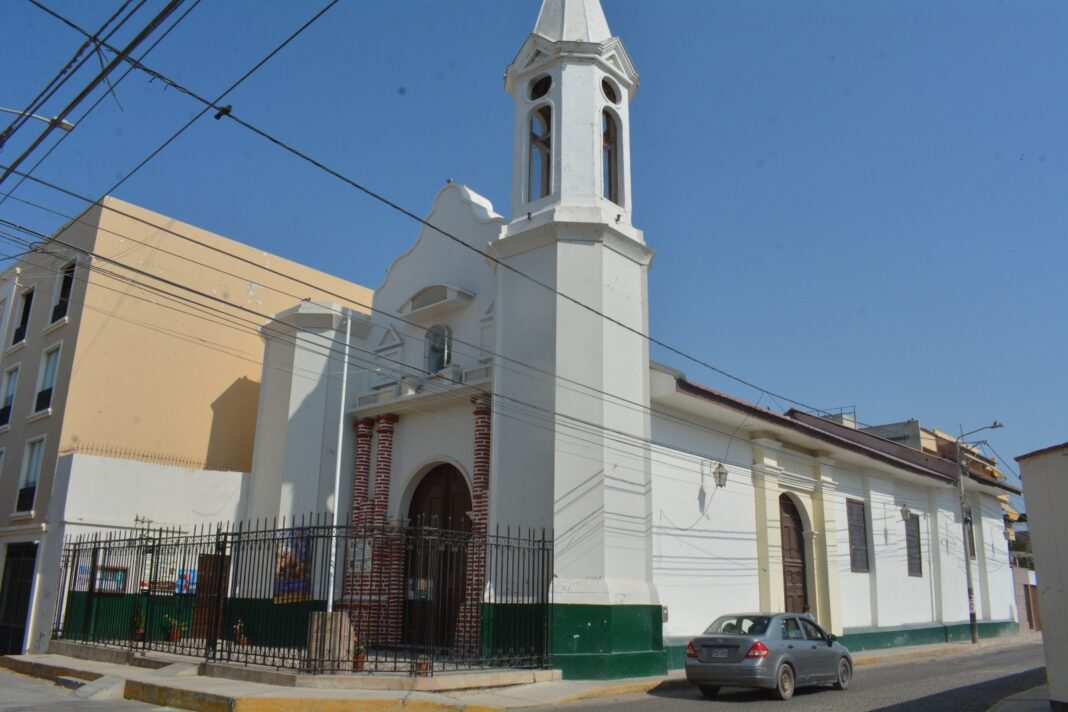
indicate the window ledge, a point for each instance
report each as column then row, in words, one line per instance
column 56, row 325
column 14, row 347
column 21, row 515
column 4, row 428
column 39, row 415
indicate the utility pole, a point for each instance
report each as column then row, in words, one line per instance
column 966, row 524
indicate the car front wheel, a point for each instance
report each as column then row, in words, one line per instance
column 784, row 687
column 709, row 690
column 845, row 674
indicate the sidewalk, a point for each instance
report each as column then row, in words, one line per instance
column 178, row 685
column 1034, row 700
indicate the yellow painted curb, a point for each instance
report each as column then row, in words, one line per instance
column 629, row 688
column 292, row 704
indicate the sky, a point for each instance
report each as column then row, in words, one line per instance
column 852, row 204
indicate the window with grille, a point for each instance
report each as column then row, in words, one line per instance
column 858, row 536
column 912, row 544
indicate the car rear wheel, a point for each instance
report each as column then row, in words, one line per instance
column 845, row 674
column 709, row 690
column 784, row 685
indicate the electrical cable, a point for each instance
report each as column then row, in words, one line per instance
column 227, row 111
column 65, row 72
column 99, row 99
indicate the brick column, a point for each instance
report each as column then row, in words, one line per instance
column 358, row 582
column 388, row 565
column 469, row 624
column 383, row 466
column 362, row 474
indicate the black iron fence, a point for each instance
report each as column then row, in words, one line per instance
column 313, row 597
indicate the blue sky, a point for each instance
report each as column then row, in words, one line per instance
column 851, row 203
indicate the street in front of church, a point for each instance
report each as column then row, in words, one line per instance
column 960, row 683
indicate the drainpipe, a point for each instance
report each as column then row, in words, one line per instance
column 337, row 466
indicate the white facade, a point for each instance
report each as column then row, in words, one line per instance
column 547, row 314
column 716, row 550
column 1045, row 474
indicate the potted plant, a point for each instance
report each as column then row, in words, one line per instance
column 422, row 665
column 175, row 628
column 359, row 655
column 239, row 633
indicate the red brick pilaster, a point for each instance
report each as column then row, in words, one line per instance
column 383, row 466
column 357, row 600
column 362, row 473
column 469, row 624
column 388, row 564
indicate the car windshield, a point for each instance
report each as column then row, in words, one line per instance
column 739, row 625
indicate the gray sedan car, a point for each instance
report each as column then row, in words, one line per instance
column 775, row 651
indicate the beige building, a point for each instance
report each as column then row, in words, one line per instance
column 1045, row 474
column 129, row 383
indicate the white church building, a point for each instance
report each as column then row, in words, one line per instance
column 503, row 379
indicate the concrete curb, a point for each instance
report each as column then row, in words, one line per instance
column 161, row 692
column 628, row 688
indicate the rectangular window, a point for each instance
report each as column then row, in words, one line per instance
column 24, row 318
column 858, row 536
column 912, row 544
column 49, row 366
column 31, row 472
column 11, row 382
column 63, row 297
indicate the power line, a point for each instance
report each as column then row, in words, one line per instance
column 99, row 99
column 101, row 75
column 65, row 72
column 580, row 388
column 227, row 111
column 577, row 424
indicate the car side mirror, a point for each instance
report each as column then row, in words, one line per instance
column 830, row 639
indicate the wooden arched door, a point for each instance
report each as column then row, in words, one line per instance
column 436, row 558
column 793, row 555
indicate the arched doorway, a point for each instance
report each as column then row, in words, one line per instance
column 794, row 566
column 436, row 557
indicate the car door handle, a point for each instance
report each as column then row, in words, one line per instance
column 790, row 647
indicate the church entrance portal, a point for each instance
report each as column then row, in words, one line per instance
column 435, row 561
column 793, row 555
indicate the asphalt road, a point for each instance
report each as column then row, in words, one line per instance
column 965, row 683
column 18, row 692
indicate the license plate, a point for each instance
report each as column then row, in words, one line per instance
column 719, row 652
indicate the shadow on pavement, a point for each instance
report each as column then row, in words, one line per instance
column 977, row 697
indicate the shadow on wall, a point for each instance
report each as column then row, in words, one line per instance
column 233, row 427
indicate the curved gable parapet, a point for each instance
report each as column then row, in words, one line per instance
column 435, row 299
column 463, row 214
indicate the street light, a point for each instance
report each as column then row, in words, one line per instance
column 965, row 523
column 61, row 124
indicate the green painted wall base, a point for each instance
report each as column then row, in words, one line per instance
column 608, row 642
column 857, row 639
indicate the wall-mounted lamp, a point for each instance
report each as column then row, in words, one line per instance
column 905, row 513
column 720, row 475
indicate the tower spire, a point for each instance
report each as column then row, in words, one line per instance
column 572, row 82
column 572, row 21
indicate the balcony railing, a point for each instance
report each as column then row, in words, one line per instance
column 24, row 502
column 44, row 400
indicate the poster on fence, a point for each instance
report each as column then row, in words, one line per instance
column 292, row 569
column 111, row 579
column 187, row 581
column 81, row 578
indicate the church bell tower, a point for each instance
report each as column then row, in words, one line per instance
column 571, row 422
